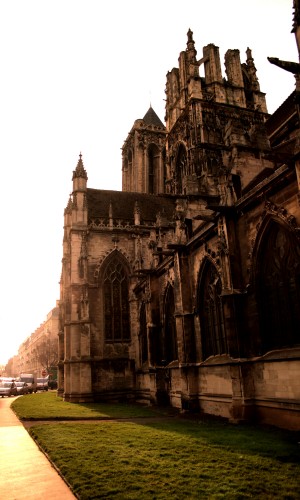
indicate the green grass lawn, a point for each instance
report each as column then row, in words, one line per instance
column 46, row 405
column 165, row 459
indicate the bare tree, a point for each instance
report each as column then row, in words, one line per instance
column 47, row 354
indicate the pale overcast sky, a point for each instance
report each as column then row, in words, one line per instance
column 75, row 74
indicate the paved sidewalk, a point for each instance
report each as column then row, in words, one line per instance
column 25, row 472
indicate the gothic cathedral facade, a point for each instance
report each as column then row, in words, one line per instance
column 183, row 289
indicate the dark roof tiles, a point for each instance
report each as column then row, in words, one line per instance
column 123, row 205
column 151, row 118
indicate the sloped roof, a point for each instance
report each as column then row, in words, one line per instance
column 123, row 205
column 151, row 118
column 260, row 177
column 281, row 114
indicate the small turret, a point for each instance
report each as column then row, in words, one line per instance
column 79, row 206
column 79, row 176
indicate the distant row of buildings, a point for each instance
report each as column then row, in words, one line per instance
column 39, row 352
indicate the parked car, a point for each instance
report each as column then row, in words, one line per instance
column 22, row 388
column 8, row 389
column 52, row 384
column 42, row 384
column 30, row 379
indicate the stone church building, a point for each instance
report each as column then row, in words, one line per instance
column 183, row 289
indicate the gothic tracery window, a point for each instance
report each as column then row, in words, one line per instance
column 116, row 303
column 211, row 313
column 278, row 288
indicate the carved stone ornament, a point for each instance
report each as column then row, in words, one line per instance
column 222, row 240
column 283, row 214
column 213, row 257
column 171, row 276
column 103, row 258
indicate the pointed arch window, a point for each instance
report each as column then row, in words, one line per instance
column 143, row 335
column 211, row 313
column 153, row 168
column 170, row 352
column 278, row 288
column 116, row 303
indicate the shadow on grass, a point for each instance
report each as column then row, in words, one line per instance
column 246, row 439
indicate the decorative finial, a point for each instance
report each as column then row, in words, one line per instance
column 190, row 35
column 191, row 51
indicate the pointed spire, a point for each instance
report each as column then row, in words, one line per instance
column 151, row 118
column 80, row 170
column 68, row 209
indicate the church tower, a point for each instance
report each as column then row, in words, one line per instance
column 143, row 156
column 215, row 126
